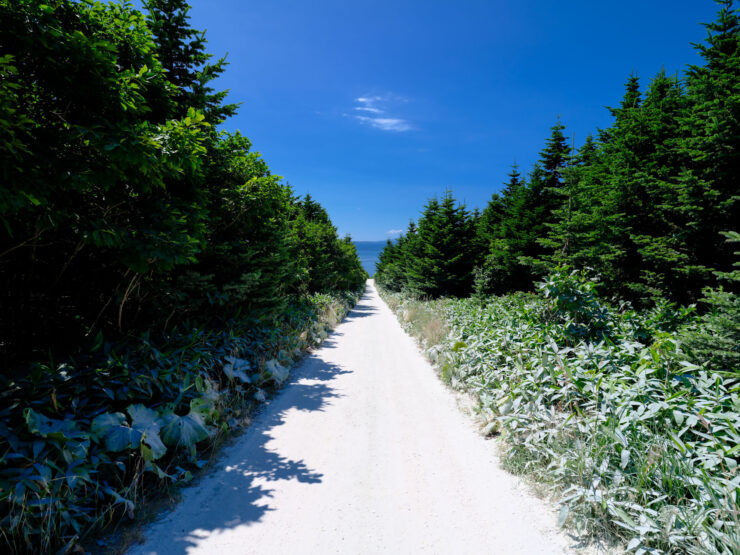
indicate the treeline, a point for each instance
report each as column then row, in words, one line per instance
column 644, row 204
column 123, row 206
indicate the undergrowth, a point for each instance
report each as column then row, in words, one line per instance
column 83, row 443
column 600, row 402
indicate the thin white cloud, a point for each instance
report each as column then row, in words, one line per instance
column 369, row 100
column 374, row 113
column 391, row 124
column 368, row 109
column 394, row 232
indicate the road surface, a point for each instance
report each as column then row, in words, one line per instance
column 364, row 451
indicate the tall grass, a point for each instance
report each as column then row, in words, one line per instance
column 600, row 403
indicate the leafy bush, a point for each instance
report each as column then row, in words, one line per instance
column 574, row 305
column 81, row 442
column 641, row 443
column 153, row 281
column 122, row 206
column 715, row 337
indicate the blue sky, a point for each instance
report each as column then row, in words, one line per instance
column 374, row 107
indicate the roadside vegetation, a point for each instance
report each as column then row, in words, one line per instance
column 156, row 279
column 592, row 308
column 636, row 434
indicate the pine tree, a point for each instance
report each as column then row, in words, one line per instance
column 182, row 53
column 572, row 231
column 716, row 336
column 500, row 232
column 441, row 261
column 628, row 209
column 516, row 254
column 711, row 127
column 659, row 219
column 545, row 195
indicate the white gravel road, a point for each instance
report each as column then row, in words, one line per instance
column 364, row 451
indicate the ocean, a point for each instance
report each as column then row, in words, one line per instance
column 369, row 251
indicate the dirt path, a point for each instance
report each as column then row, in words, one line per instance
column 365, row 451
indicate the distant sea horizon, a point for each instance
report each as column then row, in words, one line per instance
column 369, row 253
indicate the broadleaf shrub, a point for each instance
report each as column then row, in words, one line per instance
column 639, row 439
column 81, row 441
column 142, row 253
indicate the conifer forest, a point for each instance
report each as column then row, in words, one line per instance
column 157, row 282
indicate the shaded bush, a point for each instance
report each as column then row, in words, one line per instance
column 155, row 281
column 82, row 442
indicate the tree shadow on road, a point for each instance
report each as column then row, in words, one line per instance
column 362, row 309
column 237, row 493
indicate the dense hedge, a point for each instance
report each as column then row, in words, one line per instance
column 122, row 205
column 155, row 276
column 85, row 443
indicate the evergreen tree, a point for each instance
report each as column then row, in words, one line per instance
column 440, row 261
column 711, row 146
column 248, row 263
column 716, row 336
column 181, row 51
column 515, row 255
column 544, row 197
column 328, row 263
column 658, row 219
column 392, row 269
column 122, row 207
column 623, row 211
column 499, row 231
column 573, row 231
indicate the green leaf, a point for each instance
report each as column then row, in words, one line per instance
column 152, row 440
column 625, row 458
column 182, row 430
column 98, row 342
column 204, row 406
column 121, row 438
column 278, row 372
column 144, row 420
column 142, row 417
column 104, row 423
column 116, row 435
column 562, row 517
column 237, row 368
column 50, row 428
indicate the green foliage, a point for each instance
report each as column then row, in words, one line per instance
column 100, row 189
column 181, row 51
column 122, row 207
column 646, row 203
column 601, row 403
column 516, row 221
column 331, row 263
column 156, row 279
column 436, row 258
column 716, row 335
column 503, row 231
column 642, row 204
column 392, row 267
column 573, row 303
column 81, row 441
